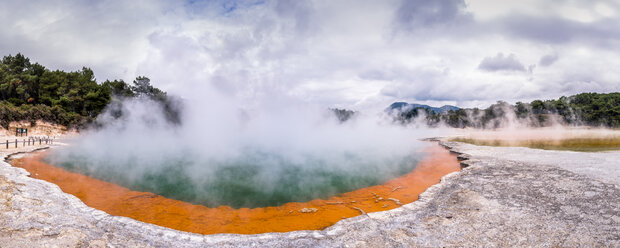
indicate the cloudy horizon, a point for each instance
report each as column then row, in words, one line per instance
column 350, row 54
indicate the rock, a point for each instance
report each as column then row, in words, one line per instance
column 308, row 210
column 395, row 201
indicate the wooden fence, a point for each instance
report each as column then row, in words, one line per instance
column 30, row 141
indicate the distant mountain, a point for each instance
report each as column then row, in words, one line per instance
column 400, row 106
column 446, row 108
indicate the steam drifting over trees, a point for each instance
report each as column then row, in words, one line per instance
column 29, row 91
column 592, row 109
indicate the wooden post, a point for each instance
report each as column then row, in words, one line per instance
column 24, row 143
column 7, row 144
column 15, row 143
column 40, row 141
column 28, row 142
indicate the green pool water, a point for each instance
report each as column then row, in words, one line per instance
column 256, row 180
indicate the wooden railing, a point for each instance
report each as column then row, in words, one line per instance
column 30, row 141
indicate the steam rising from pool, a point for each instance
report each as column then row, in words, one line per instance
column 243, row 155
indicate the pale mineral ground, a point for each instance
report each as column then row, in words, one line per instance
column 506, row 196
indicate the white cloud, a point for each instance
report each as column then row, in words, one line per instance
column 355, row 54
column 500, row 62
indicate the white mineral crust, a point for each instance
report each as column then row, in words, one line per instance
column 505, row 197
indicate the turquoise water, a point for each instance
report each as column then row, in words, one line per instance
column 256, row 180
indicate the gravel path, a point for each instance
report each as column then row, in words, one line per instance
column 505, row 197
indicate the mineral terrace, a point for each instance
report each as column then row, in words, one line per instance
column 506, row 196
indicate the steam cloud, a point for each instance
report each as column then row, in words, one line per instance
column 240, row 153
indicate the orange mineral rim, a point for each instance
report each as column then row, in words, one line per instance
column 313, row 215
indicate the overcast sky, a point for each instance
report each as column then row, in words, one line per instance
column 353, row 54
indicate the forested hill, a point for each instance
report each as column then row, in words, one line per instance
column 403, row 106
column 29, row 91
column 591, row 109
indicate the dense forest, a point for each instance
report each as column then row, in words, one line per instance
column 591, row 109
column 30, row 92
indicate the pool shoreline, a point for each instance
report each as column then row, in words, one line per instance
column 494, row 201
column 316, row 214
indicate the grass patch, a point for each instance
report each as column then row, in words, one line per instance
column 568, row 144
